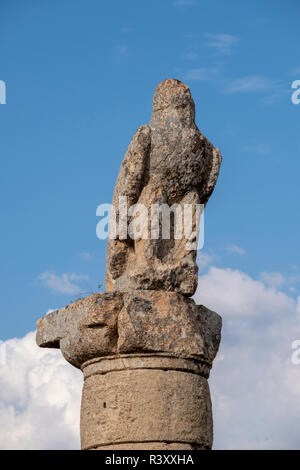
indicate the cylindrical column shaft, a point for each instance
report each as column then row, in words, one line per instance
column 145, row 402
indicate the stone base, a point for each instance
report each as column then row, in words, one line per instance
column 145, row 402
column 146, row 358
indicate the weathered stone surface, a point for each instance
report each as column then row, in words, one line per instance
column 137, row 321
column 168, row 161
column 83, row 330
column 164, row 361
column 150, row 405
column 212, row 326
column 166, row 322
column 150, row 446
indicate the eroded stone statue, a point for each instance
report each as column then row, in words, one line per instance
column 169, row 162
column 145, row 348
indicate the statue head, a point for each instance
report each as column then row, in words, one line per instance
column 173, row 97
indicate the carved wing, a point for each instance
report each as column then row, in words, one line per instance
column 212, row 162
column 129, row 181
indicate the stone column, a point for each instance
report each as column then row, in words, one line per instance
column 146, row 358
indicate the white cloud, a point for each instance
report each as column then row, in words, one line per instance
column 184, row 3
column 251, row 83
column 260, row 148
column 236, row 249
column 273, row 279
column 201, row 74
column 2, row 352
column 294, row 278
column 120, row 52
column 63, row 284
column 203, row 260
column 191, row 55
column 298, row 304
column 39, row 398
column 221, row 43
column 279, row 92
column 240, row 295
column 85, row 255
column 254, row 384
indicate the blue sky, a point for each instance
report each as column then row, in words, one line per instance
column 80, row 78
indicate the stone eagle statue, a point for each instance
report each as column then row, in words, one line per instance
column 145, row 348
column 167, row 162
